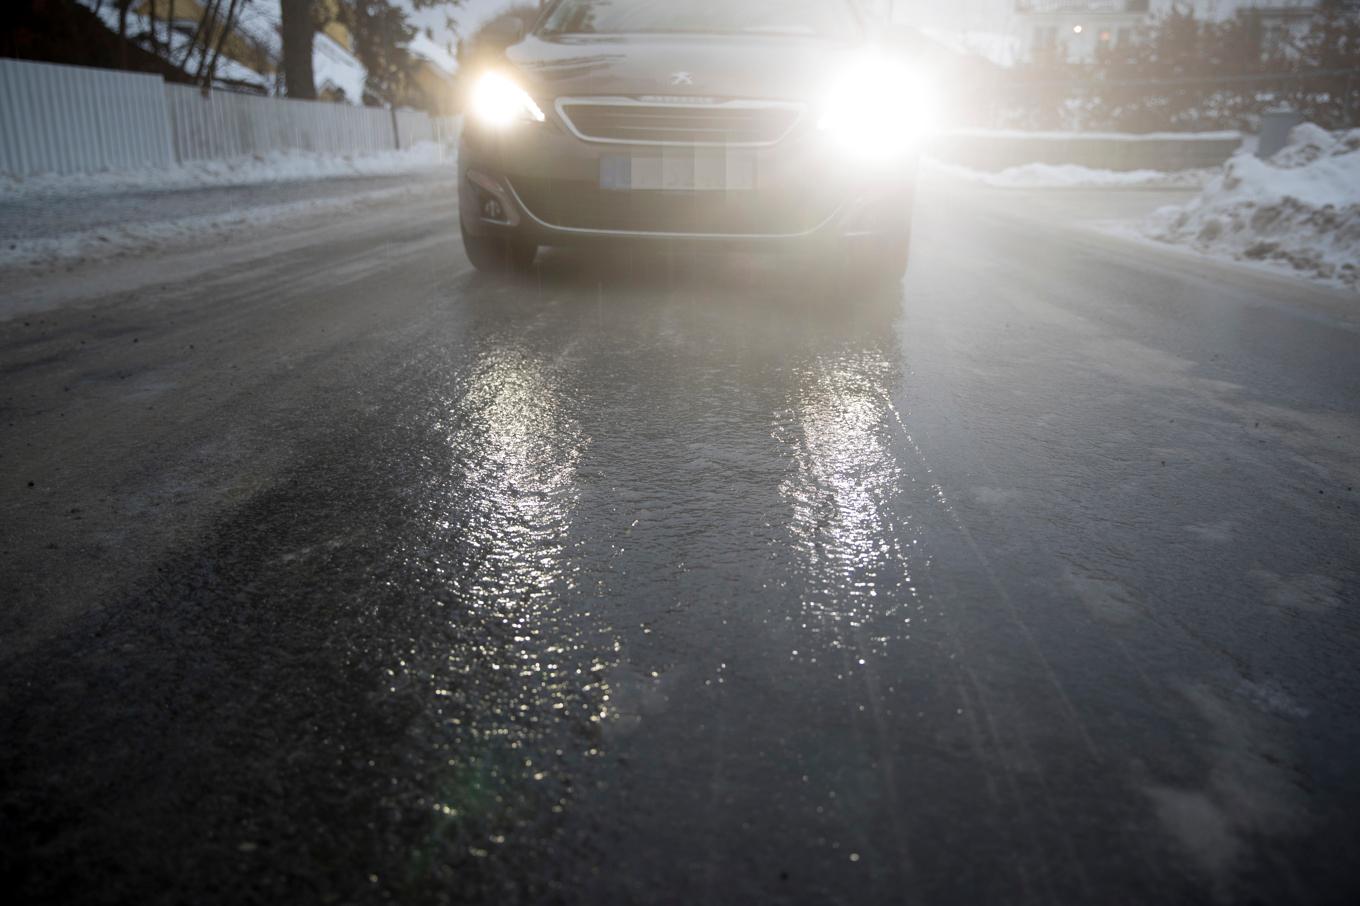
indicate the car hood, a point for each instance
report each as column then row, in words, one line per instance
column 715, row 66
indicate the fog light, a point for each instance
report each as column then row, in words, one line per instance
column 493, row 206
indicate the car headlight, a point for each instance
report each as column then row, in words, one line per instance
column 878, row 109
column 497, row 102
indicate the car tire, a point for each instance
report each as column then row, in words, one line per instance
column 863, row 263
column 885, row 261
column 498, row 254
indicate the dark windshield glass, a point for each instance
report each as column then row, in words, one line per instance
column 821, row 18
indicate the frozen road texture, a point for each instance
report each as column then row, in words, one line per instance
column 336, row 573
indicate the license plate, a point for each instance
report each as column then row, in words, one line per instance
column 689, row 171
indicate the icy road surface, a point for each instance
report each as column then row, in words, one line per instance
column 334, row 572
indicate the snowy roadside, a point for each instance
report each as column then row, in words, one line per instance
column 1072, row 176
column 60, row 221
column 1299, row 211
column 275, row 167
column 148, row 235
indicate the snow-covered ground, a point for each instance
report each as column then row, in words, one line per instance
column 1222, row 135
column 219, row 215
column 1072, row 176
column 335, row 68
column 179, row 39
column 1298, row 210
column 274, row 167
column 54, row 220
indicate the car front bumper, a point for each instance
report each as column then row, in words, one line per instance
column 540, row 183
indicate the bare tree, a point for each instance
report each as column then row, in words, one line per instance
column 379, row 29
column 206, row 78
column 207, row 15
column 152, row 22
column 170, row 30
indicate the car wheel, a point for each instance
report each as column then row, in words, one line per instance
column 497, row 254
column 885, row 260
column 863, row 263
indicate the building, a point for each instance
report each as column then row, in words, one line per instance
column 1283, row 23
column 1075, row 30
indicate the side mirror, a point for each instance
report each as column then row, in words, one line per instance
column 503, row 32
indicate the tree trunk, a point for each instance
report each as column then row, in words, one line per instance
column 205, row 16
column 123, row 7
column 298, row 31
column 210, row 22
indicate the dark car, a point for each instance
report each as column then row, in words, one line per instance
column 738, row 123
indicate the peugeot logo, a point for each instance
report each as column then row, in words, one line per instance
column 681, row 78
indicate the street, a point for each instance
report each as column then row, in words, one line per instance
column 336, row 572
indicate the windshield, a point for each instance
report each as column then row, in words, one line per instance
column 820, row 18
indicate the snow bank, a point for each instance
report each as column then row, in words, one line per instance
column 277, row 166
column 1300, row 209
column 1072, row 176
column 335, row 68
column 146, row 237
column 1028, row 135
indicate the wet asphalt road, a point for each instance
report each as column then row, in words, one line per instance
column 336, row 573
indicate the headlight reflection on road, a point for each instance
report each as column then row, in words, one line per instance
column 846, row 480
column 522, row 472
column 526, row 674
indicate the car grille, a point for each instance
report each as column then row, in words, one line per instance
column 582, row 205
column 640, row 123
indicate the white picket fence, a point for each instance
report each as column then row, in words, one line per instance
column 69, row 119
column 72, row 119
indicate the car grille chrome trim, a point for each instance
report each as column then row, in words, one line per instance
column 692, row 122
column 659, row 234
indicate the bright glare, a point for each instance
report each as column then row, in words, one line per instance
column 878, row 109
column 1076, row 29
column 497, row 102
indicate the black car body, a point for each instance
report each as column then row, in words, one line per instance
column 616, row 120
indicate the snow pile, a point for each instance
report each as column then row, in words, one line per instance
column 1073, row 176
column 133, row 237
column 273, row 167
column 1221, row 135
column 1299, row 209
column 336, row 69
